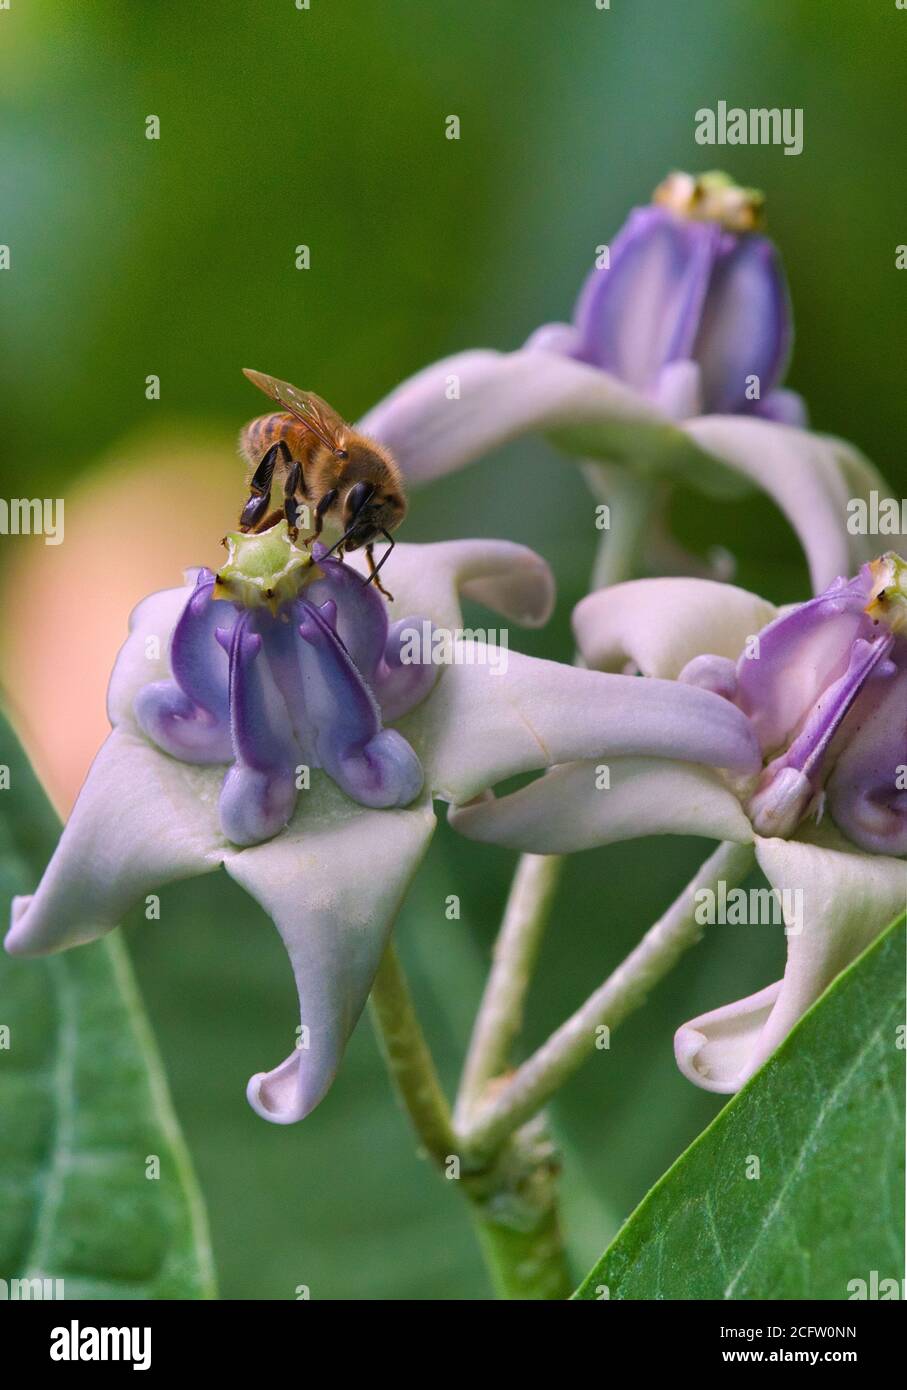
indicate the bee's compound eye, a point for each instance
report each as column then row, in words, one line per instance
column 356, row 498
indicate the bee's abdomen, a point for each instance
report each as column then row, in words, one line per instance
column 258, row 436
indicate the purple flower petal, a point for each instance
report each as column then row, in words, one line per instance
column 179, row 726
column 798, row 657
column 361, row 611
column 401, row 684
column 785, row 408
column 867, row 797
column 791, row 782
column 189, row 716
column 644, row 310
column 259, row 791
column 199, row 665
column 745, row 330
column 375, row 766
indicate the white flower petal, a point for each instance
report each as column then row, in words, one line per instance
column 333, row 883
column 565, row 810
column 805, row 475
column 661, row 624
column 715, row 1050
column 848, row 897
column 860, row 478
column 426, row 580
column 141, row 820
column 483, row 725
column 462, row 407
column 838, row 900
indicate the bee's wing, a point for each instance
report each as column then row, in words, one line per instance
column 309, row 409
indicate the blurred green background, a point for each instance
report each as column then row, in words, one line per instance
column 176, row 257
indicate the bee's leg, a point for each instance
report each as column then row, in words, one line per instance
column 294, row 483
column 260, row 487
column 373, row 568
column 325, row 504
column 270, row 520
column 253, row 511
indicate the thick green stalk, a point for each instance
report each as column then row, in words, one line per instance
column 515, row 1211
column 513, row 1200
column 409, row 1061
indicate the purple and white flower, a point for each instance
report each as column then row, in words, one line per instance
column 216, row 703
column 671, row 368
column 277, row 685
column 823, row 687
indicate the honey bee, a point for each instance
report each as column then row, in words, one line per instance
column 321, row 460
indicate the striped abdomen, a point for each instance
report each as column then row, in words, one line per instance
column 258, row 436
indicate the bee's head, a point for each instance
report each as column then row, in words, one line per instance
column 368, row 511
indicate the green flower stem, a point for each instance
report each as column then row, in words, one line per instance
column 631, row 501
column 409, row 1061
column 532, row 1085
column 512, row 1200
column 532, row 892
column 515, row 1213
column 500, row 1015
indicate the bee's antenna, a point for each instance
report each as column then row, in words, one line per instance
column 391, row 543
column 345, row 537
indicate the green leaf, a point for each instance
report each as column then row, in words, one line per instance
column 84, row 1107
column 825, row 1119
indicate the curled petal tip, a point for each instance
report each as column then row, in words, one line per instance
column 515, row 582
column 281, row 1097
column 720, row 1050
column 690, row 1054
column 16, row 941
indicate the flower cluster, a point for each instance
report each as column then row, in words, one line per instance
column 670, row 370
column 823, row 688
column 266, row 718
column 152, row 811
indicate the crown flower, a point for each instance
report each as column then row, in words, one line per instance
column 298, row 667
column 671, row 369
column 283, row 662
column 823, row 687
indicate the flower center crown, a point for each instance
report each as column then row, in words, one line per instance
column 264, row 570
column 888, row 596
column 712, row 197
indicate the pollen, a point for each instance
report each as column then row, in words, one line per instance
column 888, row 596
column 712, row 197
